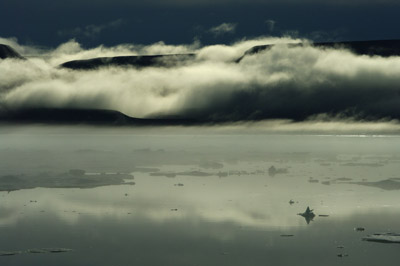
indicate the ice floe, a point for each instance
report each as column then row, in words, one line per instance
column 383, row 238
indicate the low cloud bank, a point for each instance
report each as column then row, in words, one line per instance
column 284, row 82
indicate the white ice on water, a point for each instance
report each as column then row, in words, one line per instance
column 383, row 237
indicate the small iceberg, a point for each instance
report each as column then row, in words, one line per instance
column 36, row 250
column 308, row 215
column 272, row 171
column 383, row 238
column 57, row 250
column 9, row 253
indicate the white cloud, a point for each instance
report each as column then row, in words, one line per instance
column 281, row 82
column 72, row 50
column 270, row 24
column 22, row 49
column 224, row 28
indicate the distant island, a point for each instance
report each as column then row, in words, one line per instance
column 7, row 52
column 382, row 48
column 76, row 116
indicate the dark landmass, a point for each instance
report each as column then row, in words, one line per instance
column 8, row 52
column 131, row 61
column 384, row 48
column 65, row 116
column 71, row 179
column 73, row 116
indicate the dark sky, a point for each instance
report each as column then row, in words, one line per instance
column 110, row 22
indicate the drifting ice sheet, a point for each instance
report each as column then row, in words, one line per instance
column 383, row 238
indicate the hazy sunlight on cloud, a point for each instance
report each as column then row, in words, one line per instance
column 284, row 82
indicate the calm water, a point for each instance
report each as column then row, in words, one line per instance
column 198, row 199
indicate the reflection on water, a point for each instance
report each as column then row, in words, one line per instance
column 198, row 200
column 74, row 178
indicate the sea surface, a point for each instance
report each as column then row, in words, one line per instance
column 153, row 197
